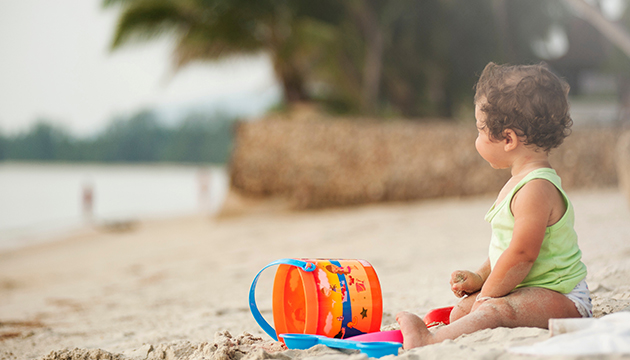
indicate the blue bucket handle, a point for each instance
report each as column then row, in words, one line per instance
column 306, row 266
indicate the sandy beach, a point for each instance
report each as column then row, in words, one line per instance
column 177, row 289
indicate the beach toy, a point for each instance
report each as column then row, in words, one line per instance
column 433, row 318
column 328, row 297
column 371, row 349
column 439, row 316
column 373, row 344
column 390, row 336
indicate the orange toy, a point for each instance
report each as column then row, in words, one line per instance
column 334, row 298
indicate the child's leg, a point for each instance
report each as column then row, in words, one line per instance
column 532, row 307
column 463, row 307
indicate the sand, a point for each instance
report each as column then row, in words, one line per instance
column 177, row 288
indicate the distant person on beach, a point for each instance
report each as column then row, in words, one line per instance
column 88, row 201
column 534, row 270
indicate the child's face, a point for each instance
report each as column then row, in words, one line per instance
column 490, row 150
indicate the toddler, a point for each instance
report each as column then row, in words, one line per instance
column 534, row 270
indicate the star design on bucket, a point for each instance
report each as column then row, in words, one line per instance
column 364, row 313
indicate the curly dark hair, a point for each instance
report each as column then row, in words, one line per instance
column 528, row 99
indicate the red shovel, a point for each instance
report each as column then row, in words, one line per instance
column 432, row 318
column 439, row 316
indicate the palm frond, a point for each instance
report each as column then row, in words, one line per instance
column 146, row 19
column 216, row 36
column 110, row 3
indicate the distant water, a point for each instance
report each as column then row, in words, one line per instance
column 40, row 201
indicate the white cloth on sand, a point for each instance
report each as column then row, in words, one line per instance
column 607, row 335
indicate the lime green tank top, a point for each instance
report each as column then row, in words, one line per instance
column 559, row 265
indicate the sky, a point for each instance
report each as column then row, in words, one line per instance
column 55, row 64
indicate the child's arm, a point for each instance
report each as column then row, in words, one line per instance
column 532, row 207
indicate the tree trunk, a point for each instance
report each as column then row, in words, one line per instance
column 368, row 23
column 499, row 8
column 623, row 88
column 292, row 84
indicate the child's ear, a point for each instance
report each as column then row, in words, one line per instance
column 511, row 140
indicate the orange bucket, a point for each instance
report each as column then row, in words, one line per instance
column 334, row 298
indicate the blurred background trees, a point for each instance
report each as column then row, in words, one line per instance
column 403, row 58
column 142, row 137
column 379, row 58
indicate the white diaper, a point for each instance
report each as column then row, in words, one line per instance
column 581, row 297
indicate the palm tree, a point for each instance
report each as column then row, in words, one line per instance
column 406, row 57
column 211, row 29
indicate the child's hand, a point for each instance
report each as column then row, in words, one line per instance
column 464, row 282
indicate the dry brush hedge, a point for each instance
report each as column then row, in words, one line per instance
column 322, row 162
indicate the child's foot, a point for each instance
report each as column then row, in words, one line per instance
column 414, row 331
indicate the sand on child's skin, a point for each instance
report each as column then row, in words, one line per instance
column 178, row 289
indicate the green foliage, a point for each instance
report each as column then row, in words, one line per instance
column 42, row 142
column 3, row 147
column 399, row 57
column 148, row 19
column 140, row 138
column 403, row 57
column 432, row 73
column 199, row 140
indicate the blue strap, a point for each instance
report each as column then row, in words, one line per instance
column 306, row 266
